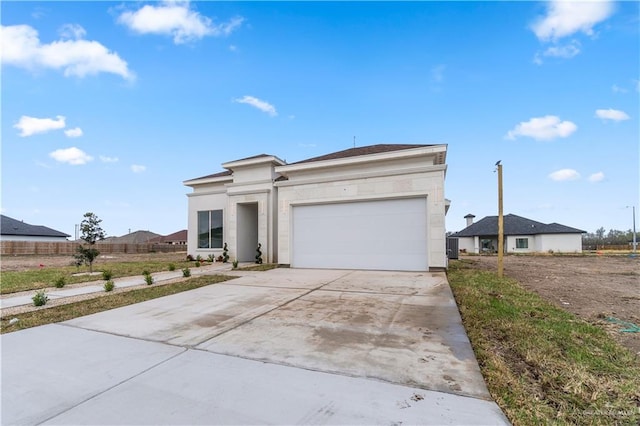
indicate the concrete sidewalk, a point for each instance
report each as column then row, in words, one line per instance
column 277, row 347
column 9, row 301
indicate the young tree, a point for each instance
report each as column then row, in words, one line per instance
column 91, row 233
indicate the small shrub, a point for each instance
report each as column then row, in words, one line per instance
column 225, row 254
column 211, row 258
column 109, row 286
column 235, row 264
column 107, row 274
column 172, row 267
column 259, row 254
column 186, row 272
column 199, row 258
column 146, row 272
column 190, row 258
column 40, row 298
column 148, row 279
column 197, row 264
column 59, row 282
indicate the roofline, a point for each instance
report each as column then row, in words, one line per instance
column 366, row 158
column 203, row 180
column 254, row 161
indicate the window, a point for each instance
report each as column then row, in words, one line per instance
column 522, row 243
column 210, row 229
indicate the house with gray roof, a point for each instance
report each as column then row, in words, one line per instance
column 521, row 235
column 17, row 230
column 372, row 207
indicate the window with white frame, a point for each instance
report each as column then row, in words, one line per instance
column 210, row 229
column 522, row 243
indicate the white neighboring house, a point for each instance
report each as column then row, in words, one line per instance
column 521, row 235
column 16, row 230
column 374, row 207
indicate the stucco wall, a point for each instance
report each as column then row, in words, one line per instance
column 511, row 244
column 347, row 185
column 561, row 243
column 467, row 243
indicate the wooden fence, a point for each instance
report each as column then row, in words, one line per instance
column 12, row 248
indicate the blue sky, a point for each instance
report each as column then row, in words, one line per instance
column 109, row 106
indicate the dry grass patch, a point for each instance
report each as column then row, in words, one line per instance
column 105, row 302
column 543, row 365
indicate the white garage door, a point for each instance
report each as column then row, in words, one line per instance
column 384, row 235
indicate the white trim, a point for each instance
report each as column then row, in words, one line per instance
column 366, row 175
column 211, row 192
column 253, row 161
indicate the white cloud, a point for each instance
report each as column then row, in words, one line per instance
column 73, row 156
column 176, row 19
column 72, row 31
column 31, row 125
column 543, row 128
column 596, row 177
column 137, row 168
column 257, row 103
column 611, row 114
column 76, row 132
column 565, row 18
column 106, row 159
column 564, row 174
column 21, row 47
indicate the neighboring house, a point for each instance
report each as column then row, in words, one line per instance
column 521, row 235
column 16, row 230
column 137, row 237
column 177, row 238
column 374, row 207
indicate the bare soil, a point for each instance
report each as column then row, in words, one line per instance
column 27, row 262
column 593, row 287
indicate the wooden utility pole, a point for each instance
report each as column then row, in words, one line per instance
column 500, row 223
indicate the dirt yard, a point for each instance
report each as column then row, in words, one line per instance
column 24, row 263
column 592, row 287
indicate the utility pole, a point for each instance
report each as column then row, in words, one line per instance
column 500, row 223
column 634, row 228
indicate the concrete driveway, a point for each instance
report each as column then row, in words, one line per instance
column 286, row 346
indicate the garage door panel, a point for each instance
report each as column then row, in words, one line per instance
column 386, row 234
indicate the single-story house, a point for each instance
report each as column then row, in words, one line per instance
column 521, row 235
column 373, row 207
column 177, row 238
column 16, row 230
column 136, row 237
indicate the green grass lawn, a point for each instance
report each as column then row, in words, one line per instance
column 542, row 364
column 15, row 281
column 104, row 302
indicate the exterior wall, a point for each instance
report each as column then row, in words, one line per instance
column 32, row 238
column 467, row 244
column 510, row 246
column 343, row 184
column 561, row 243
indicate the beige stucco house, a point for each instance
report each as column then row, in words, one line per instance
column 374, row 207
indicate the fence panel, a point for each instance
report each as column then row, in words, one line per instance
column 42, row 248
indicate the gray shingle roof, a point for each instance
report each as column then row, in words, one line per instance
column 10, row 226
column 514, row 225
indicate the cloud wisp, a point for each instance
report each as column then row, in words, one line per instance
column 178, row 20
column 76, row 57
column 596, row 177
column 138, row 168
column 30, row 126
column 544, row 128
column 73, row 156
column 258, row 103
column 564, row 175
column 76, row 132
column 612, row 114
